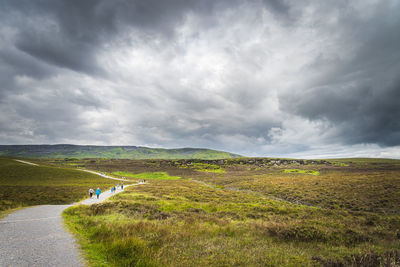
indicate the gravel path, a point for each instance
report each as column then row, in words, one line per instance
column 35, row 237
column 103, row 175
column 26, row 162
column 103, row 196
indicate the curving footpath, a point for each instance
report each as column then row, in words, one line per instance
column 26, row 162
column 36, row 236
column 103, row 196
column 102, row 175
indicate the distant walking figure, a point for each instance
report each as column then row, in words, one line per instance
column 91, row 191
column 117, row 186
column 98, row 192
column 122, row 186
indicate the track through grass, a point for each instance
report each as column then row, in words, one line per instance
column 148, row 175
column 25, row 185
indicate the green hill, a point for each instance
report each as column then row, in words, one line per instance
column 121, row 152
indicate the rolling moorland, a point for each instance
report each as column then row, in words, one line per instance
column 23, row 185
column 123, row 152
column 243, row 212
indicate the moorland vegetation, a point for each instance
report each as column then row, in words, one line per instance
column 245, row 212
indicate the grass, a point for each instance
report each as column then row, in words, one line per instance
column 204, row 167
column 182, row 223
column 24, row 185
column 311, row 172
column 148, row 175
column 340, row 164
column 345, row 216
column 127, row 152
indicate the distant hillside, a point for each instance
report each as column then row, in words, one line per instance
column 125, row 152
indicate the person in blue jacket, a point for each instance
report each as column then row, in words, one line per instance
column 98, row 192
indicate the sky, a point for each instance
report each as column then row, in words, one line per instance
column 304, row 78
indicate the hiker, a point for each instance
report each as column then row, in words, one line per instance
column 98, row 192
column 117, row 186
column 122, row 186
column 114, row 189
column 91, row 191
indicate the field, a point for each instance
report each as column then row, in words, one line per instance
column 124, row 152
column 244, row 212
column 25, row 185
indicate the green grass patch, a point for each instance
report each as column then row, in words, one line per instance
column 205, row 167
column 128, row 174
column 311, row 172
column 148, row 175
column 75, row 164
column 342, row 164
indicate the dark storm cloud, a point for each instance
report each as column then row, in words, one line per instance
column 359, row 96
column 255, row 77
column 69, row 33
column 19, row 64
column 277, row 6
column 361, row 114
column 58, row 51
column 14, row 65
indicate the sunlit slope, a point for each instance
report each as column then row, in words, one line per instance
column 126, row 152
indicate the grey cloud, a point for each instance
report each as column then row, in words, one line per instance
column 193, row 127
column 278, row 7
column 358, row 96
column 14, row 65
column 46, row 121
column 67, row 73
column 59, row 51
column 68, row 33
column 19, row 64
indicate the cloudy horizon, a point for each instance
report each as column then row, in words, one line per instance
column 304, row 78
